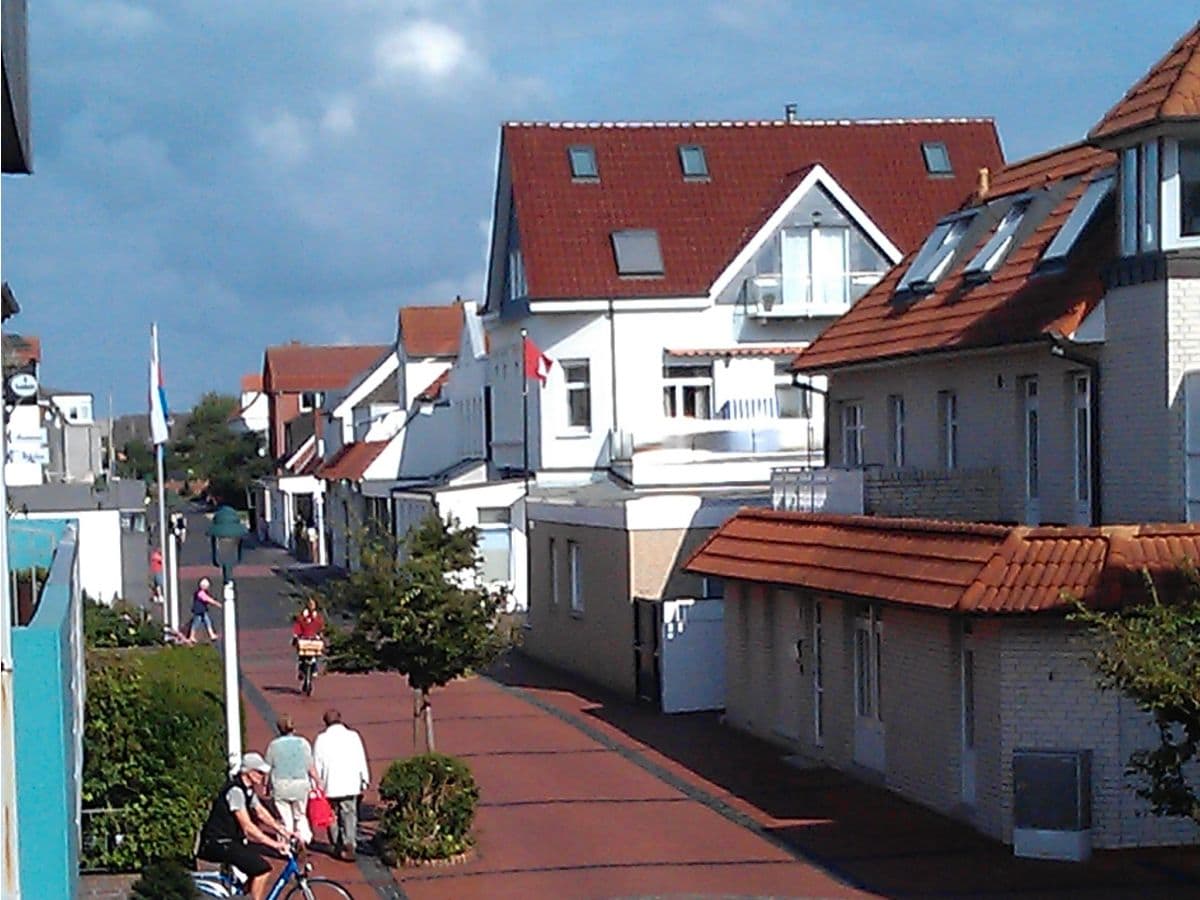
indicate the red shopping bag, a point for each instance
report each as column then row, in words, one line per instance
column 320, row 813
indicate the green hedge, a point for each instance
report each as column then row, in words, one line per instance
column 429, row 806
column 154, row 753
column 120, row 625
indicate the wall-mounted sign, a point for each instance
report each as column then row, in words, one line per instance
column 22, row 384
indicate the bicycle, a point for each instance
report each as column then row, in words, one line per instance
column 228, row 882
column 308, row 652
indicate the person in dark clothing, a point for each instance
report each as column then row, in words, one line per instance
column 231, row 822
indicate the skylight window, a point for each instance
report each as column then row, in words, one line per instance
column 692, row 161
column 1064, row 242
column 583, row 162
column 935, row 255
column 937, row 158
column 984, row 263
column 637, row 252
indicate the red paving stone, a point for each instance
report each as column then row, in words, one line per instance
column 585, row 796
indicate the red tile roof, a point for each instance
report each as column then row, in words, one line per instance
column 431, row 330
column 565, row 226
column 23, row 349
column 1169, row 91
column 743, row 350
column 1014, row 306
column 303, row 367
column 352, row 460
column 252, row 382
column 953, row 566
column 434, row 389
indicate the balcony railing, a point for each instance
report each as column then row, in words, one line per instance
column 774, row 296
column 718, row 436
column 826, row 489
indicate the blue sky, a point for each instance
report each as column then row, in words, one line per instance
column 253, row 172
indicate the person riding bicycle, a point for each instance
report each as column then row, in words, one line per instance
column 309, row 624
column 231, row 822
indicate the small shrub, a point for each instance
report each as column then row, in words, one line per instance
column 165, row 880
column 120, row 625
column 429, row 806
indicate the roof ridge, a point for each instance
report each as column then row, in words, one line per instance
column 908, row 523
column 741, row 123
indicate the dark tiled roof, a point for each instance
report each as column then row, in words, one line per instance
column 957, row 566
column 1170, row 90
column 303, row 367
column 1014, row 306
column 431, row 330
column 565, row 225
column 352, row 460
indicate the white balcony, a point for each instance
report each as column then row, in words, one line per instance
column 775, row 296
column 827, row 490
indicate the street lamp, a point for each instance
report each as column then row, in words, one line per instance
column 226, row 533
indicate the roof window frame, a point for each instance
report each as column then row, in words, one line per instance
column 628, row 267
column 684, row 150
column 1001, row 242
column 579, row 152
column 936, row 168
column 1099, row 190
column 935, row 256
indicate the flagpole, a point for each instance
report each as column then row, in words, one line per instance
column 170, row 613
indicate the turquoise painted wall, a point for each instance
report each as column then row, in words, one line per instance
column 48, row 694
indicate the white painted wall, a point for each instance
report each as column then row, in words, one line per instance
column 255, row 413
column 24, row 422
column 99, row 551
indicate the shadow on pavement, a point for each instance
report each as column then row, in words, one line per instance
column 860, row 832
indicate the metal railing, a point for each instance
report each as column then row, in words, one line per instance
column 827, row 489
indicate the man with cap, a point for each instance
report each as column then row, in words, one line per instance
column 231, row 822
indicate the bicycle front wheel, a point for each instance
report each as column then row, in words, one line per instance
column 318, row 889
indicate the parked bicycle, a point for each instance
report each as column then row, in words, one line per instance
column 228, row 882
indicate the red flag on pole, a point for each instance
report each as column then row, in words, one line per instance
column 537, row 363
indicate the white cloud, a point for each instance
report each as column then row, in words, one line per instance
column 117, row 19
column 285, row 137
column 340, row 118
column 431, row 51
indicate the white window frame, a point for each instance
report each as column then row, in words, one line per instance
column 570, row 387
column 1031, row 431
column 677, row 385
column 317, row 399
column 868, row 657
column 1079, row 219
column 1172, row 200
column 896, row 426
column 852, row 433
column 818, row 674
column 517, row 289
column 555, row 581
column 784, row 381
column 503, row 527
column 575, row 573
column 1191, row 442
column 1081, row 440
column 992, row 253
column 1130, row 192
column 935, row 254
column 948, row 422
column 1149, row 206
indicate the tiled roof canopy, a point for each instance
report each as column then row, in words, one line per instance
column 352, row 460
column 431, row 330
column 951, row 566
column 1169, row 91
column 252, row 382
column 302, row 367
column 566, row 224
column 1015, row 305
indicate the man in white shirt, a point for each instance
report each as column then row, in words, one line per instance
column 341, row 762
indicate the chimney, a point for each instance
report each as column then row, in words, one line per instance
column 789, row 113
column 984, row 184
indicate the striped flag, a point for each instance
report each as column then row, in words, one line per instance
column 159, row 433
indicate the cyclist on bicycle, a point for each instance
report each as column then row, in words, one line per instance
column 231, row 822
column 308, row 625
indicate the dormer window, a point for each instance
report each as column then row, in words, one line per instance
column 692, row 161
column 989, row 257
column 937, row 158
column 1064, row 242
column 583, row 163
column 637, row 252
column 935, row 255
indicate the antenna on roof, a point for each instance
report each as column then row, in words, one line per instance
column 789, row 113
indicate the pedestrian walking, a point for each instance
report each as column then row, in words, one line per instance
column 201, row 601
column 156, row 573
column 293, row 775
column 341, row 762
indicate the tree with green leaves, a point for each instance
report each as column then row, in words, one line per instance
column 1150, row 650
column 210, row 450
column 426, row 616
column 136, row 460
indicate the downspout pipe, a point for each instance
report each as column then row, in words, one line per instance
column 813, row 389
column 1063, row 348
